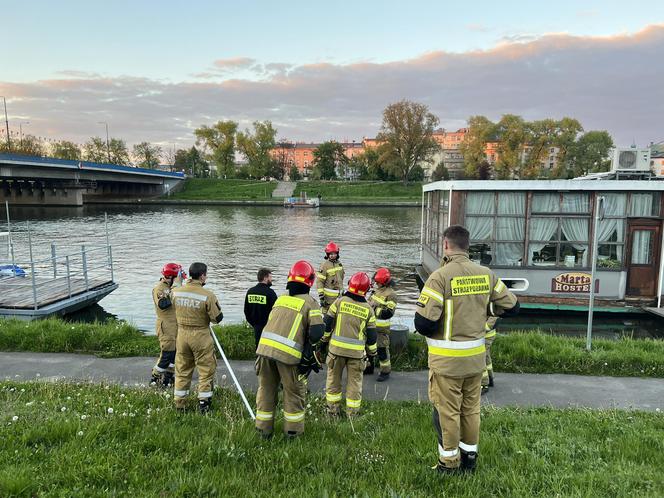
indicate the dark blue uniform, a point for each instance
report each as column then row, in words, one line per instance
column 257, row 306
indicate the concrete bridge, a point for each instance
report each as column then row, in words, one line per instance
column 29, row 180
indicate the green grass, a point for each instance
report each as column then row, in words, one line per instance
column 361, row 191
column 520, row 352
column 66, row 443
column 220, row 190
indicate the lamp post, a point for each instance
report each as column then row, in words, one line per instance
column 9, row 143
column 108, row 147
column 20, row 132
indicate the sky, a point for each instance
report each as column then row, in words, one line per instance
column 325, row 70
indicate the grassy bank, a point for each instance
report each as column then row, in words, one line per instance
column 61, row 440
column 220, row 190
column 361, row 191
column 522, row 352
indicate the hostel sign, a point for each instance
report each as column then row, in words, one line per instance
column 572, row 283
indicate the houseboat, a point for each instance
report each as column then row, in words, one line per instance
column 537, row 235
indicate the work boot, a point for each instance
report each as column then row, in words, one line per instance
column 204, row 406
column 292, row 435
column 168, row 379
column 468, row 461
column 490, row 380
column 383, row 376
column 369, row 370
column 155, row 380
column 263, row 434
column 484, row 390
column 443, row 469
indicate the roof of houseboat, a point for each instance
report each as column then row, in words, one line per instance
column 555, row 185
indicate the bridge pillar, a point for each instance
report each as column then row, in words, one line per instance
column 37, row 194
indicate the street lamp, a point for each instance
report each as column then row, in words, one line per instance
column 20, row 132
column 108, row 147
column 9, row 144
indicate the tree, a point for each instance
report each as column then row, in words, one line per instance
column 473, row 147
column 119, row 152
column 440, row 173
column 191, row 162
column 95, row 150
column 219, row 143
column 327, row 157
column 66, row 150
column 567, row 131
column 513, row 137
column 589, row 154
column 29, row 145
column 541, row 136
column 147, row 155
column 484, row 170
column 256, row 147
column 294, row 174
column 407, row 133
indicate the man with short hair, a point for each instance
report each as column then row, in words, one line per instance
column 195, row 309
column 452, row 312
column 259, row 301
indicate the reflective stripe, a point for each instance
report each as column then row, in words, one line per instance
column 159, row 369
column 348, row 343
column 455, row 344
column 384, row 363
column 456, row 348
column 171, row 365
column 490, row 334
column 331, row 292
column 333, row 398
column 294, row 417
column 487, row 327
column 281, row 343
column 449, row 315
column 447, row 453
column 491, row 311
column 290, row 302
column 190, row 295
column 353, row 403
column 499, row 287
column 321, row 275
column 314, row 313
column 432, row 293
column 296, row 325
column 265, row 416
column 336, row 269
column 468, row 447
column 181, row 393
column 382, row 323
column 205, row 394
column 372, row 348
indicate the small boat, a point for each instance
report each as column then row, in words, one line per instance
column 301, row 202
column 11, row 271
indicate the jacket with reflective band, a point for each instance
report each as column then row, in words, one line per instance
column 195, row 306
column 287, row 328
column 490, row 330
column 459, row 296
column 383, row 299
column 330, row 280
column 166, row 323
column 351, row 320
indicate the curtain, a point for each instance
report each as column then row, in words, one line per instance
column 541, row 229
column 545, row 203
column 577, row 229
column 513, row 203
column 641, row 247
column 610, row 227
column 576, row 203
column 480, row 228
column 509, row 229
column 641, row 205
column 614, row 204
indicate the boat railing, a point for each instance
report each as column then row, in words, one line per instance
column 61, row 275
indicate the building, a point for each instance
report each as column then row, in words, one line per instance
column 301, row 155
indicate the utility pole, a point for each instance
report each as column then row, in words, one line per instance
column 108, row 147
column 20, row 132
column 9, row 143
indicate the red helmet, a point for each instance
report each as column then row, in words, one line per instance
column 359, row 284
column 382, row 276
column 302, row 272
column 171, row 270
column 331, row 247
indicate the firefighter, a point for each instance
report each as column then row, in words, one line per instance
column 452, row 311
column 487, row 375
column 195, row 308
column 330, row 281
column 166, row 327
column 350, row 328
column 286, row 353
column 383, row 300
column 259, row 302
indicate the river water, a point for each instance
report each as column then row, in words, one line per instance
column 235, row 241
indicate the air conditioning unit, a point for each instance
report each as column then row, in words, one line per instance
column 630, row 160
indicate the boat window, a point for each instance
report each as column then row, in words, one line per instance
column 513, row 203
column 558, row 241
column 644, row 205
column 546, row 202
column 480, row 203
column 576, row 202
column 642, row 247
column 614, row 204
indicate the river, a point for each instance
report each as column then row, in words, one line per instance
column 235, row 241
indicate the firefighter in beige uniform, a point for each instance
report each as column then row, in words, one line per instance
column 383, row 300
column 489, row 337
column 452, row 313
column 330, row 278
column 195, row 308
column 286, row 352
column 166, row 327
column 350, row 328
